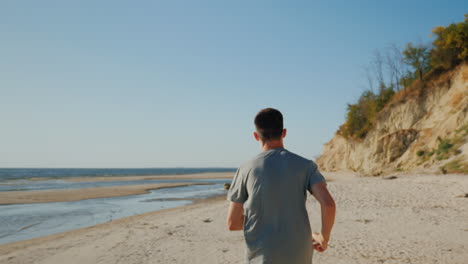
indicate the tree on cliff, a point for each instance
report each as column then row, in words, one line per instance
column 417, row 56
column 450, row 45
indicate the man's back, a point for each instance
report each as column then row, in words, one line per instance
column 273, row 187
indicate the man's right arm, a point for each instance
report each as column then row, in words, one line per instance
column 235, row 218
column 328, row 208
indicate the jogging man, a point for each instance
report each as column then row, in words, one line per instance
column 268, row 195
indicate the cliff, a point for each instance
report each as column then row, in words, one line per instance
column 424, row 130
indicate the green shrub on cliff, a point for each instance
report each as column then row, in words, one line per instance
column 362, row 115
column 443, row 151
column 450, row 46
column 447, row 147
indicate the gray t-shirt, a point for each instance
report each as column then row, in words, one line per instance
column 273, row 188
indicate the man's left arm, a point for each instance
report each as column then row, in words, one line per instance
column 235, row 218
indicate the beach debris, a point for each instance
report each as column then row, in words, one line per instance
column 208, row 220
column 28, row 226
column 225, row 250
column 391, row 177
column 365, row 221
column 227, row 186
column 462, row 195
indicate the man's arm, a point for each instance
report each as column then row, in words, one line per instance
column 235, row 218
column 327, row 204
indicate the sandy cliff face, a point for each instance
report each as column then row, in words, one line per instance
column 408, row 133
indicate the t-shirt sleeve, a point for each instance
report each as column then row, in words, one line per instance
column 238, row 191
column 314, row 176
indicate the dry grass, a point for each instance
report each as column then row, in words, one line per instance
column 455, row 166
column 435, row 79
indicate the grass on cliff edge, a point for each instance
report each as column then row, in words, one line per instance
column 455, row 166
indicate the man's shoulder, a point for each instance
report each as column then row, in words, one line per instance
column 248, row 164
column 299, row 160
column 298, row 157
column 286, row 154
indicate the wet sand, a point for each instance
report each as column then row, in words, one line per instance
column 67, row 195
column 211, row 175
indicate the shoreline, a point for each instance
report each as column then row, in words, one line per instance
column 9, row 247
column 204, row 175
column 69, row 195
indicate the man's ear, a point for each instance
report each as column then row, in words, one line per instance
column 256, row 136
column 283, row 134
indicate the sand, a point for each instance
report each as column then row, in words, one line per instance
column 410, row 219
column 67, row 195
column 210, row 175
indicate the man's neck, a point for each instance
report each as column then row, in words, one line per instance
column 272, row 145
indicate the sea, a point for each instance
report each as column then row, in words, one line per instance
column 25, row 173
column 26, row 221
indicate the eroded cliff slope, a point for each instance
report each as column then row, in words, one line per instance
column 427, row 132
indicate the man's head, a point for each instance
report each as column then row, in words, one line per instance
column 269, row 125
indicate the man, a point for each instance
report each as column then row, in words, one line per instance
column 268, row 196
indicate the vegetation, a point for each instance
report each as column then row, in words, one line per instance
column 443, row 151
column 455, row 166
column 450, row 46
column 418, row 57
column 362, row 115
column 461, row 135
column 394, row 70
column 421, row 153
column 447, row 147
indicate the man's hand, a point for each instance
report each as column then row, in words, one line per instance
column 319, row 242
column 328, row 208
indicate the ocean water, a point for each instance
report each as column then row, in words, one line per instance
column 25, row 173
column 26, row 221
column 52, row 184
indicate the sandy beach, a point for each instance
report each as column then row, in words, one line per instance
column 410, row 219
column 63, row 195
column 211, row 175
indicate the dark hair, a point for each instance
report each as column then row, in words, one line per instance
column 269, row 124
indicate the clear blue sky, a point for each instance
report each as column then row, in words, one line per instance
column 177, row 83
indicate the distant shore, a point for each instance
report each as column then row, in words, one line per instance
column 68, row 195
column 210, row 175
